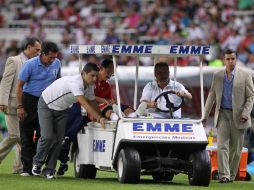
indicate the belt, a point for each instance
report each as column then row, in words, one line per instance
column 229, row 109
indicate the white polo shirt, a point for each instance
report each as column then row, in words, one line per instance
column 60, row 95
column 152, row 90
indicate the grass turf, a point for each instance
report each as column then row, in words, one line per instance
column 104, row 180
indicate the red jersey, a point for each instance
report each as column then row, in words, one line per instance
column 103, row 90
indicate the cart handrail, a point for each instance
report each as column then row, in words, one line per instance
column 139, row 50
column 143, row 50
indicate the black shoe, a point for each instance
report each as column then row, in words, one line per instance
column 224, row 180
column 50, row 176
column 66, row 141
column 63, row 168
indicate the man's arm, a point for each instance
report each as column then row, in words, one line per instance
column 6, row 83
column 91, row 108
column 209, row 102
column 150, row 104
column 20, row 107
column 147, row 96
column 249, row 99
column 185, row 94
column 95, row 106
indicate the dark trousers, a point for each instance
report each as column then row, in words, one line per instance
column 28, row 128
column 75, row 122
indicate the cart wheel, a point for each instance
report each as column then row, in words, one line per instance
column 160, row 176
column 248, row 177
column 128, row 166
column 86, row 171
column 200, row 171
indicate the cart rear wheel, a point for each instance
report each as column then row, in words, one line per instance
column 86, row 171
column 248, row 177
column 128, row 166
column 200, row 171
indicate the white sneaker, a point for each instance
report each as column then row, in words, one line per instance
column 114, row 117
column 132, row 115
column 115, row 109
column 25, row 174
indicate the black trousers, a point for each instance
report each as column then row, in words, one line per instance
column 75, row 122
column 29, row 131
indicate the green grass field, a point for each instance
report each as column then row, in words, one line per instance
column 104, row 180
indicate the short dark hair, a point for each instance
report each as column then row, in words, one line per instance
column 29, row 41
column 90, row 67
column 229, row 51
column 49, row 47
column 106, row 63
column 160, row 65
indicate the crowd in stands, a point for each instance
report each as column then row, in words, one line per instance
column 220, row 23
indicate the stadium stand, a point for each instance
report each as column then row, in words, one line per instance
column 221, row 23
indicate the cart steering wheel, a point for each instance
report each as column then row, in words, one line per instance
column 171, row 107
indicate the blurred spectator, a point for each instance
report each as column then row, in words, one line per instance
column 70, row 15
column 54, row 12
column 13, row 49
column 111, row 38
column 2, row 19
column 36, row 29
column 39, row 10
column 224, row 23
column 132, row 19
column 2, row 58
column 233, row 41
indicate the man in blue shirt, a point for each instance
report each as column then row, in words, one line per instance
column 35, row 76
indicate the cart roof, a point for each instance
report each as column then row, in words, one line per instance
column 143, row 50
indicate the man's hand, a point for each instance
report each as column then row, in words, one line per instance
column 243, row 118
column 204, row 122
column 21, row 113
column 152, row 104
column 3, row 109
column 180, row 93
column 102, row 122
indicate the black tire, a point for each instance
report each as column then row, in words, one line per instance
column 248, row 177
column 200, row 171
column 86, row 171
column 160, row 176
column 128, row 166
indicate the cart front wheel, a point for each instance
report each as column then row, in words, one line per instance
column 200, row 170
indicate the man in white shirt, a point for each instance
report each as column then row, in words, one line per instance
column 162, row 84
column 53, row 114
